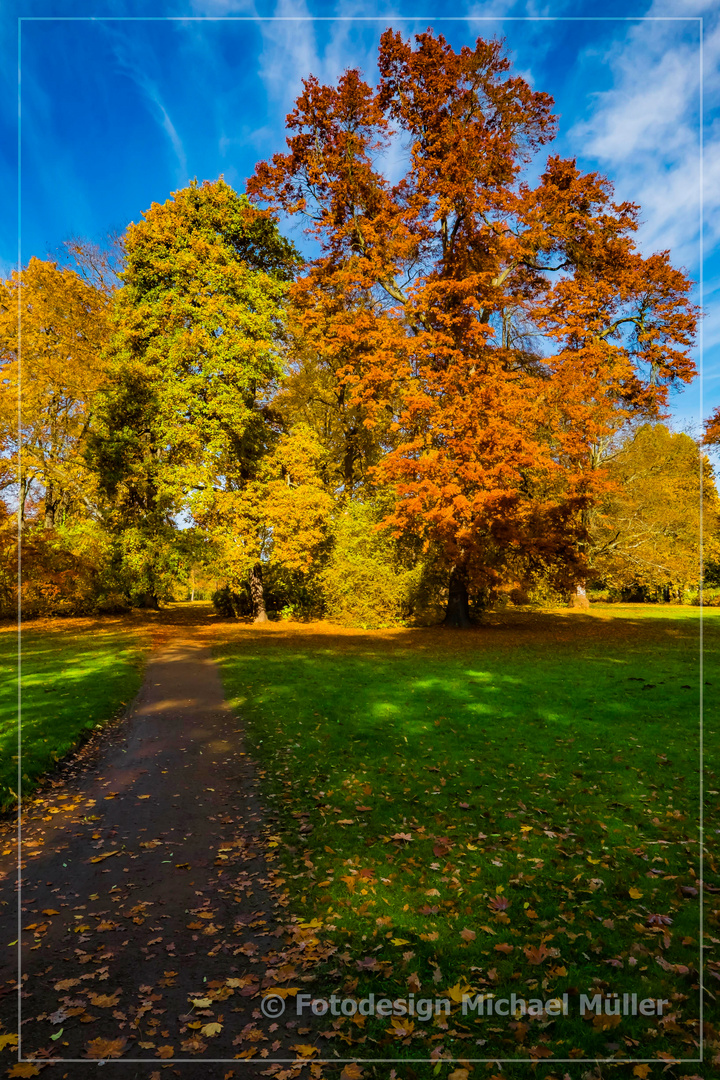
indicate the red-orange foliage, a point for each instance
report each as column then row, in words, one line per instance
column 712, row 429
column 506, row 328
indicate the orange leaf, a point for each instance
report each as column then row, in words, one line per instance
column 100, row 1049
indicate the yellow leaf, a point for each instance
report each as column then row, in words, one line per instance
column 8, row 1040
column 642, row 1071
column 201, row 1003
column 211, row 1029
column 635, row 893
column 305, row 1049
column 455, row 993
column 106, row 855
column 398, row 941
column 24, row 1069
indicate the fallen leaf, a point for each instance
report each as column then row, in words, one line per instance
column 105, row 855
column 210, row 1030
column 351, row 1071
column 26, row 1068
column 468, row 935
column 100, row 1049
column 601, row 1022
column 536, row 954
column 305, row 1050
column 634, row 893
column 105, row 1001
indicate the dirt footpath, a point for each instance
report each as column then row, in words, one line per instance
column 152, row 916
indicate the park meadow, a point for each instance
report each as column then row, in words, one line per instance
column 512, row 809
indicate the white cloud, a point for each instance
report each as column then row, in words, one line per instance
column 645, row 133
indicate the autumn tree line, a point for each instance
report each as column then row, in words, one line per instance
column 455, row 398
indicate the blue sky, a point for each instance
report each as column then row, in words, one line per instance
column 117, row 113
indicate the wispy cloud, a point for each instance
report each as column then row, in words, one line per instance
column 137, row 70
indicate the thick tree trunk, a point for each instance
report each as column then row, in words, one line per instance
column 579, row 600
column 148, row 600
column 458, row 609
column 256, row 592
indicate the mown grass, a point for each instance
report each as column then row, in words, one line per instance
column 75, row 676
column 534, row 782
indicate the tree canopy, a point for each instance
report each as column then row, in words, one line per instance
column 503, row 328
column 454, row 370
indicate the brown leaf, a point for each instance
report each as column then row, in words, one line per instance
column 101, row 1049
column 540, row 1052
column 536, row 954
column 105, row 1001
column 601, row 1022
column 351, row 1071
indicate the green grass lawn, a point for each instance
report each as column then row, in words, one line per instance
column 511, row 809
column 75, row 675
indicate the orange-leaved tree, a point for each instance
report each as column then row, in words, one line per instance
column 497, row 330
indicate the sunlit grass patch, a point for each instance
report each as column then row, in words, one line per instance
column 75, row 676
column 452, row 804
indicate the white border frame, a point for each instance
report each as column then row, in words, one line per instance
column 361, row 18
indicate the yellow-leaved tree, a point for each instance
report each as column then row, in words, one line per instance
column 647, row 530
column 53, row 328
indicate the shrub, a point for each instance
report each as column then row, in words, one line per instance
column 365, row 582
column 65, row 571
